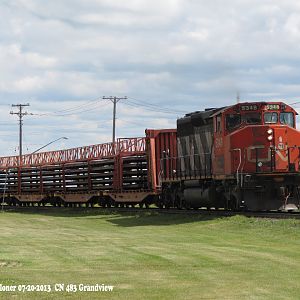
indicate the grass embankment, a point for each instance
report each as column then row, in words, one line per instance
column 150, row 256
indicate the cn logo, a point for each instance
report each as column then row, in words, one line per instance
column 280, row 146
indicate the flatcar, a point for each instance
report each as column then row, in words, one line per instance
column 240, row 157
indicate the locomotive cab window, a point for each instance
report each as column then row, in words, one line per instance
column 233, row 121
column 287, row 118
column 271, row 118
column 252, row 118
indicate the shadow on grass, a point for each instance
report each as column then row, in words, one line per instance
column 159, row 219
column 60, row 211
column 118, row 217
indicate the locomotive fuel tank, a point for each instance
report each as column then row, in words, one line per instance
column 196, row 196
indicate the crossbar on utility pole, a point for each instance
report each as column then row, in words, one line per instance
column 20, row 113
column 114, row 100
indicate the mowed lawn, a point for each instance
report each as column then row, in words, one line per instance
column 149, row 255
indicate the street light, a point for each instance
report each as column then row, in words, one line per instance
column 61, row 138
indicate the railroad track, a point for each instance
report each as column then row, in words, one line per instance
column 203, row 212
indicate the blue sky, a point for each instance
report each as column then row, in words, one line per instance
column 168, row 57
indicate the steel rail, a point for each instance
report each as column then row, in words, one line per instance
column 200, row 212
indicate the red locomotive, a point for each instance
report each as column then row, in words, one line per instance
column 245, row 156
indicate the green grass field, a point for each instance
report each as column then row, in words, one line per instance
column 149, row 255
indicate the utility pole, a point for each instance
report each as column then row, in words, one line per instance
column 114, row 100
column 20, row 114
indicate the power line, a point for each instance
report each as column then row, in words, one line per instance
column 8, row 124
column 164, row 111
column 92, row 108
column 78, row 107
column 81, row 111
column 155, row 106
column 294, row 103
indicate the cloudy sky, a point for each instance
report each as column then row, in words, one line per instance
column 168, row 57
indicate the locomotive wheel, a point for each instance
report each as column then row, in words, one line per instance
column 186, row 205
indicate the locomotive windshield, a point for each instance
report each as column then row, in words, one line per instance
column 287, row 118
column 271, row 118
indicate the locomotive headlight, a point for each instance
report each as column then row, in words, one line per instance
column 270, row 138
column 270, row 131
column 259, row 164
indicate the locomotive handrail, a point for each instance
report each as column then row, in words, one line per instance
column 238, row 168
column 98, row 151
